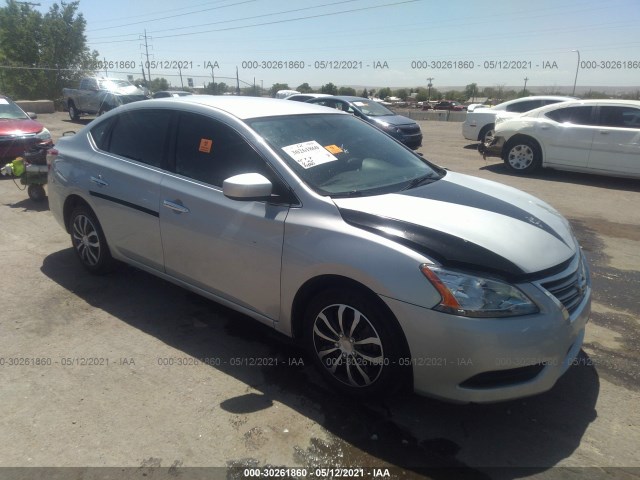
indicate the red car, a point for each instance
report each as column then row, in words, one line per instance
column 449, row 105
column 19, row 131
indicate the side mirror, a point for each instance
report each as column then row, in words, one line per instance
column 247, row 186
column 32, row 115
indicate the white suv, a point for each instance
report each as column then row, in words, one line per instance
column 480, row 122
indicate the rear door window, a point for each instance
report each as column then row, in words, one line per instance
column 141, row 135
column 581, row 115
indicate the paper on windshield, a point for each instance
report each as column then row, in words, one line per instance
column 3, row 101
column 309, row 154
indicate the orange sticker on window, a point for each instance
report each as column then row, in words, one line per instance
column 205, row 145
column 334, row 149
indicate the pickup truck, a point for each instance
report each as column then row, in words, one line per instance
column 99, row 95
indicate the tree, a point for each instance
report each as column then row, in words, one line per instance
column 401, row 93
column 471, row 91
column 384, row 93
column 304, row 88
column 47, row 52
column 329, row 88
column 365, row 94
column 347, row 91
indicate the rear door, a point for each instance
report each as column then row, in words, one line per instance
column 123, row 180
column 616, row 143
column 568, row 137
column 230, row 248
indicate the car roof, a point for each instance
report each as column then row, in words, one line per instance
column 241, row 107
column 538, row 97
column 588, row 102
column 350, row 98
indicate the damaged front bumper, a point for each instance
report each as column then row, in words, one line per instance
column 493, row 148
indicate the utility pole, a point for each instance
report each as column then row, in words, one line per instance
column 524, row 90
column 146, row 55
column 213, row 81
column 430, row 79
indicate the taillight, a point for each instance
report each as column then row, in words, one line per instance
column 52, row 154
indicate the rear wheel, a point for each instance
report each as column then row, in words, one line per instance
column 89, row 241
column 523, row 156
column 353, row 342
column 486, row 134
column 36, row 193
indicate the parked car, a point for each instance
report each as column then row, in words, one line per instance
column 390, row 269
column 401, row 128
column 449, row 105
column 171, row 93
column 285, row 93
column 303, row 97
column 592, row 136
column 480, row 121
column 97, row 95
column 19, row 131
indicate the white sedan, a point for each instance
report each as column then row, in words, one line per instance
column 480, row 121
column 592, row 136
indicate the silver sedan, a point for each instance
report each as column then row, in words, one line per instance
column 391, row 270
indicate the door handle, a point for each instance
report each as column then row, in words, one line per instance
column 176, row 207
column 604, row 132
column 99, row 181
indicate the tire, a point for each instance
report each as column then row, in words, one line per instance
column 354, row 343
column 74, row 114
column 486, row 134
column 89, row 241
column 36, row 193
column 103, row 109
column 523, row 156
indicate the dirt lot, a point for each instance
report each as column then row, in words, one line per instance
column 102, row 371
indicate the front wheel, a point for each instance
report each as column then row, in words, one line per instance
column 523, row 156
column 354, row 343
column 89, row 241
column 74, row 114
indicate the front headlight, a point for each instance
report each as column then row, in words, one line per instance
column 473, row 296
column 43, row 134
column 388, row 127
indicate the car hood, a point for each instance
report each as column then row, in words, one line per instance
column 463, row 221
column 127, row 90
column 393, row 120
column 19, row 127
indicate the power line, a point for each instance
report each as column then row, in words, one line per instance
column 275, row 22
column 172, row 16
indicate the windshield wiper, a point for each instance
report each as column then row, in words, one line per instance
column 424, row 180
column 352, row 193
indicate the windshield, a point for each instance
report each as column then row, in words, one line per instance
column 113, row 84
column 339, row 155
column 10, row 111
column 371, row 108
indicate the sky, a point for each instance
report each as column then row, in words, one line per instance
column 370, row 43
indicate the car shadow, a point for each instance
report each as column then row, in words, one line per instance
column 561, row 176
column 471, row 146
column 29, row 205
column 80, row 121
column 421, row 436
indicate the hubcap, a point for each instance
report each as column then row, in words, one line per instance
column 86, row 240
column 348, row 345
column 520, row 157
